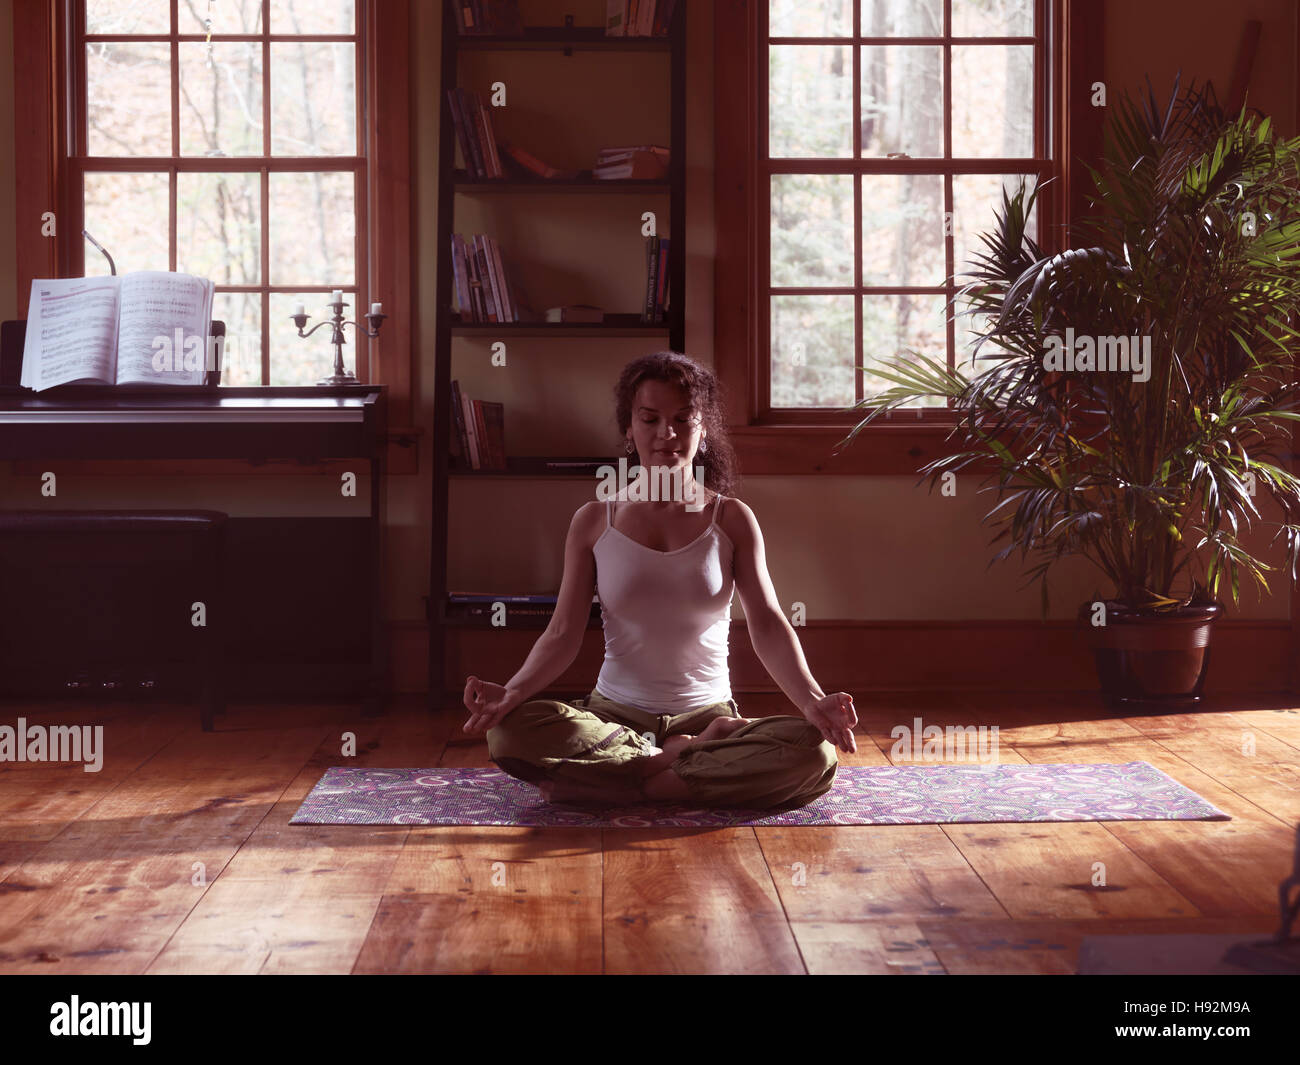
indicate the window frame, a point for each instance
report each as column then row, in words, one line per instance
column 81, row 162
column 790, row 442
column 46, row 73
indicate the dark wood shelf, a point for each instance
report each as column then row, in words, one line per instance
column 535, row 466
column 459, row 191
column 457, row 616
column 464, row 183
column 582, row 38
column 621, row 324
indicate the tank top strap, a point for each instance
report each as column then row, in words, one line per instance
column 717, row 502
column 609, row 513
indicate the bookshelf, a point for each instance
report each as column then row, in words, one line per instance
column 454, row 184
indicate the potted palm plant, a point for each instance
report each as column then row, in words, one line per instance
column 1189, row 264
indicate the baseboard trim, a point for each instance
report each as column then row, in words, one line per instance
column 971, row 655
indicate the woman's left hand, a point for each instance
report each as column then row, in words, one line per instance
column 835, row 716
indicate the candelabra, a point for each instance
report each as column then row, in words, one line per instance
column 376, row 319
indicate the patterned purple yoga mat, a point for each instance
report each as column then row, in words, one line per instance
column 862, row 795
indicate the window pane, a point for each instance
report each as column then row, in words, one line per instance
column 812, row 351
column 992, row 18
column 810, row 110
column 128, row 93
column 228, row 16
column 298, row 361
column 976, row 198
column 812, row 229
column 809, row 18
column 993, row 100
column 313, row 99
column 902, row 229
column 218, row 232
column 902, row 18
column 241, row 360
column 127, row 213
column 313, row 16
column 902, row 100
column 893, row 324
column 128, row 16
column 313, row 229
column 221, row 104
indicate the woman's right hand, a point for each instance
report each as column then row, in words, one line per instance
column 487, row 704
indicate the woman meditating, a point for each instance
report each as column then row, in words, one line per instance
column 661, row 723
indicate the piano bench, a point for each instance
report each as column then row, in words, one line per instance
column 172, row 557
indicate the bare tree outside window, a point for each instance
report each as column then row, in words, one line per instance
column 220, row 138
column 892, row 128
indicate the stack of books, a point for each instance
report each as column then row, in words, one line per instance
column 479, row 442
column 479, row 274
column 638, row 18
column 645, row 161
column 473, row 124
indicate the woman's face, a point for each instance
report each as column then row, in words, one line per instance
column 664, row 429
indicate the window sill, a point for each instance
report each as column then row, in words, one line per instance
column 892, row 448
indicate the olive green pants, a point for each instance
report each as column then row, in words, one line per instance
column 773, row 762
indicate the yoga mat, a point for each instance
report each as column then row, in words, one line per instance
column 862, row 795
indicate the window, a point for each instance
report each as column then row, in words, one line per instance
column 226, row 139
column 892, row 127
column 844, row 133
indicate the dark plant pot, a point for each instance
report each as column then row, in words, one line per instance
column 1151, row 662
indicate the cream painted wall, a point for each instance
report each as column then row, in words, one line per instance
column 847, row 547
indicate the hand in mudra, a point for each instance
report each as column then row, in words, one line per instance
column 834, row 715
column 487, row 704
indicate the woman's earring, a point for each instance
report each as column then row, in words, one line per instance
column 704, row 446
column 630, row 447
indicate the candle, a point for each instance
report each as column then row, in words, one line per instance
column 376, row 308
column 336, row 296
column 299, row 309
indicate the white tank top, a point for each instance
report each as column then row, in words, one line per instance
column 667, row 615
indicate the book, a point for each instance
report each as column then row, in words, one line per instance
column 146, row 327
column 494, row 422
column 614, row 155
column 640, row 165
column 460, row 275
column 480, row 435
column 504, row 311
column 661, row 283
column 615, row 18
column 488, row 139
column 645, row 17
column 459, row 445
column 486, row 276
column 497, row 17
column 652, row 274
column 575, row 312
column 467, row 411
column 664, row 17
column 529, row 163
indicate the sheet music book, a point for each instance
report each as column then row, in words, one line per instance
column 147, row 327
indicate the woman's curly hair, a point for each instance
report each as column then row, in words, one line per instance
column 704, row 394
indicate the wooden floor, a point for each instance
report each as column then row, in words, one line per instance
column 177, row 857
